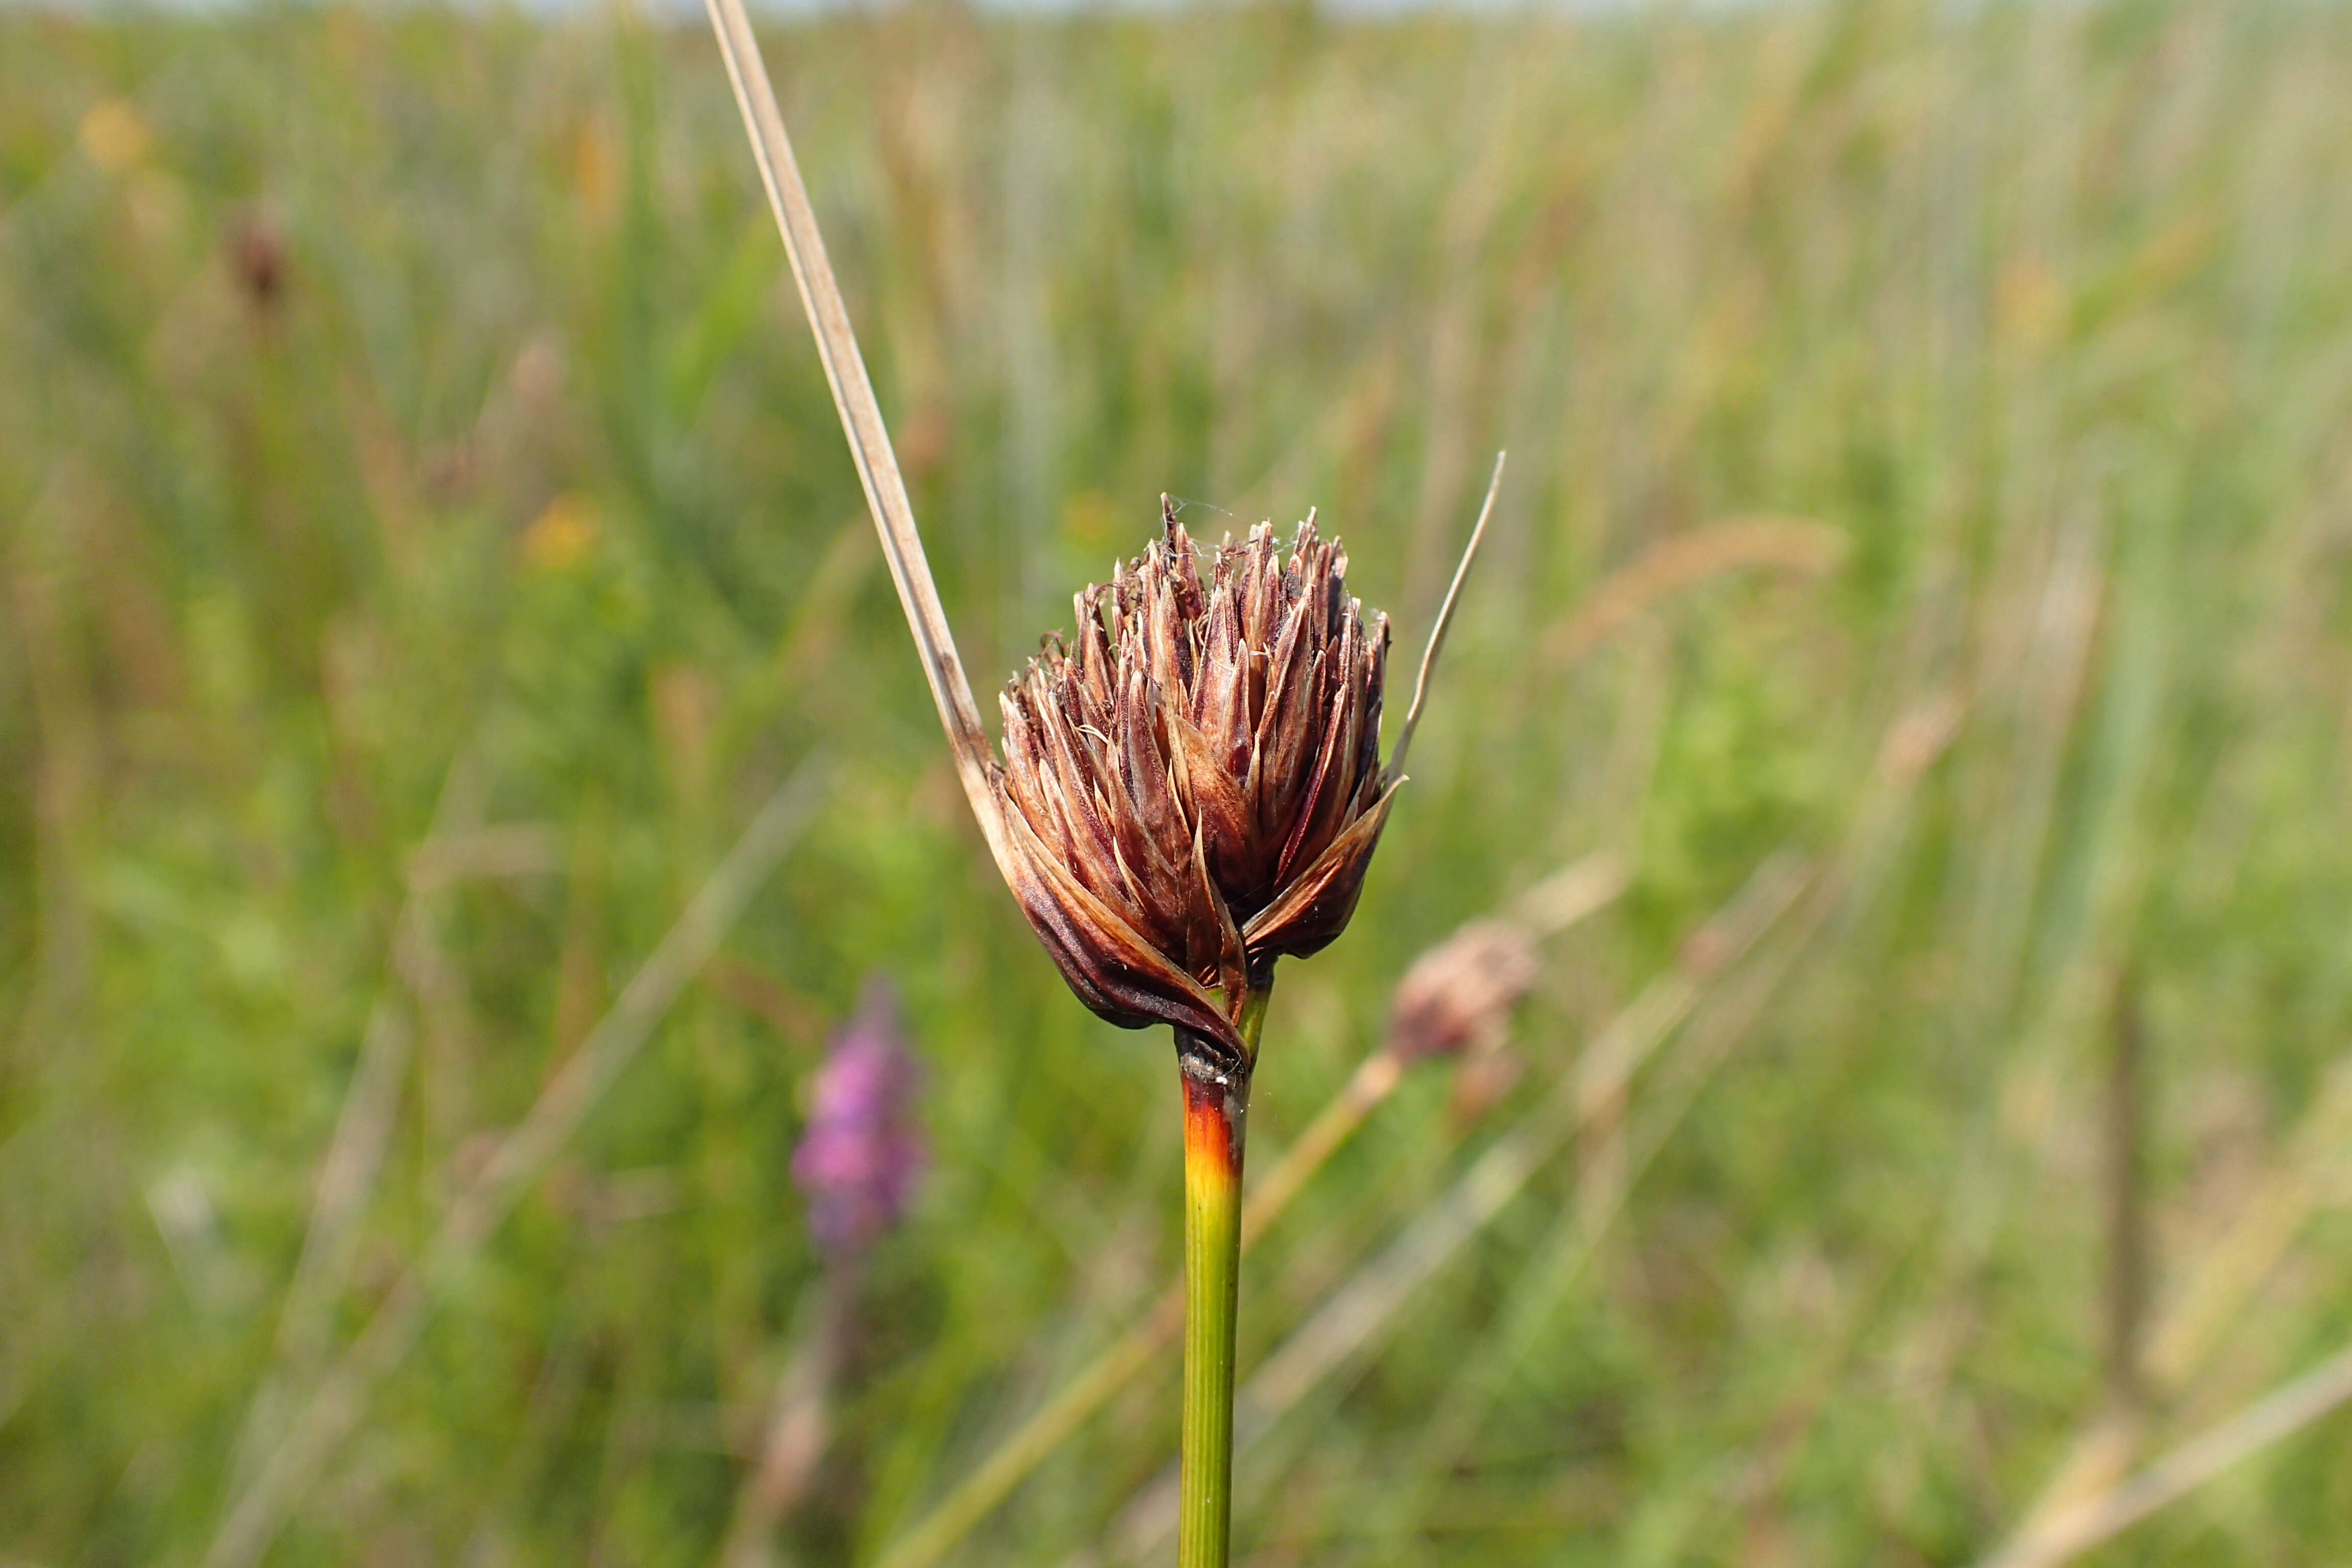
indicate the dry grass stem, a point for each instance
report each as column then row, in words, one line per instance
column 861, row 418
column 355, row 1157
column 2272, row 1419
column 1572, row 892
column 2127, row 1238
column 2184, row 1336
column 254, row 1518
column 2304, row 1181
column 799, row 1421
column 506, row 850
column 1795, row 544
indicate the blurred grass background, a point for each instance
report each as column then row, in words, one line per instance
column 427, row 540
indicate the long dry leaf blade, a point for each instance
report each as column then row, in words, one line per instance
column 861, row 418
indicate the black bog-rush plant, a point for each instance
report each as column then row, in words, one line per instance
column 1194, row 788
column 1191, row 788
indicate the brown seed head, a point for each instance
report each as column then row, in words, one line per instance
column 1193, row 781
column 257, row 258
column 1457, row 997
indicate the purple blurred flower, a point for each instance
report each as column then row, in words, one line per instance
column 862, row 1149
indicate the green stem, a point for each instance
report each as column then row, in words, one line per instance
column 1216, row 1114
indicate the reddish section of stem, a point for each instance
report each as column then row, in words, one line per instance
column 1212, row 1139
column 1216, row 1105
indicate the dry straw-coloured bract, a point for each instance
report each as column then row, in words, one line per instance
column 1193, row 779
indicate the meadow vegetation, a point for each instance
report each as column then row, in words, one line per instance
column 1926, row 570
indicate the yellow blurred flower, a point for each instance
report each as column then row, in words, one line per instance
column 562, row 534
column 595, row 173
column 115, row 135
